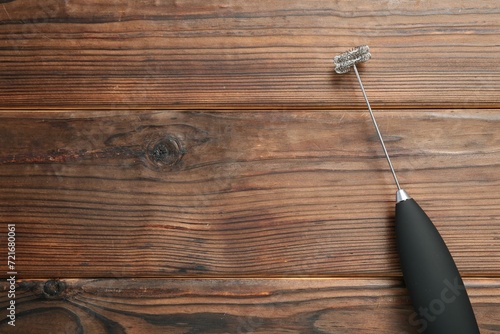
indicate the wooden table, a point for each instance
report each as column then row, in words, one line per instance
column 198, row 167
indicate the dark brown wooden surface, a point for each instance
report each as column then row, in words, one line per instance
column 197, row 167
column 299, row 306
column 246, row 54
column 171, row 193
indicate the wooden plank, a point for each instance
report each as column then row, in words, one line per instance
column 235, row 54
column 167, row 193
column 263, row 306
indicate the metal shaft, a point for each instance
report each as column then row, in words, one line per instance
column 376, row 127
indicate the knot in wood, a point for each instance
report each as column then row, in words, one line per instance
column 53, row 288
column 167, row 151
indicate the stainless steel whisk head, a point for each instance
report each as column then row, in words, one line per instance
column 345, row 61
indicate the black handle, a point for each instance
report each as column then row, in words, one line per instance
column 436, row 289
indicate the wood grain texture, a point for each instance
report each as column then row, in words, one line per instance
column 236, row 54
column 163, row 194
column 196, row 167
column 259, row 306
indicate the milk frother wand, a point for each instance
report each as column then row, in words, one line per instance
column 435, row 286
